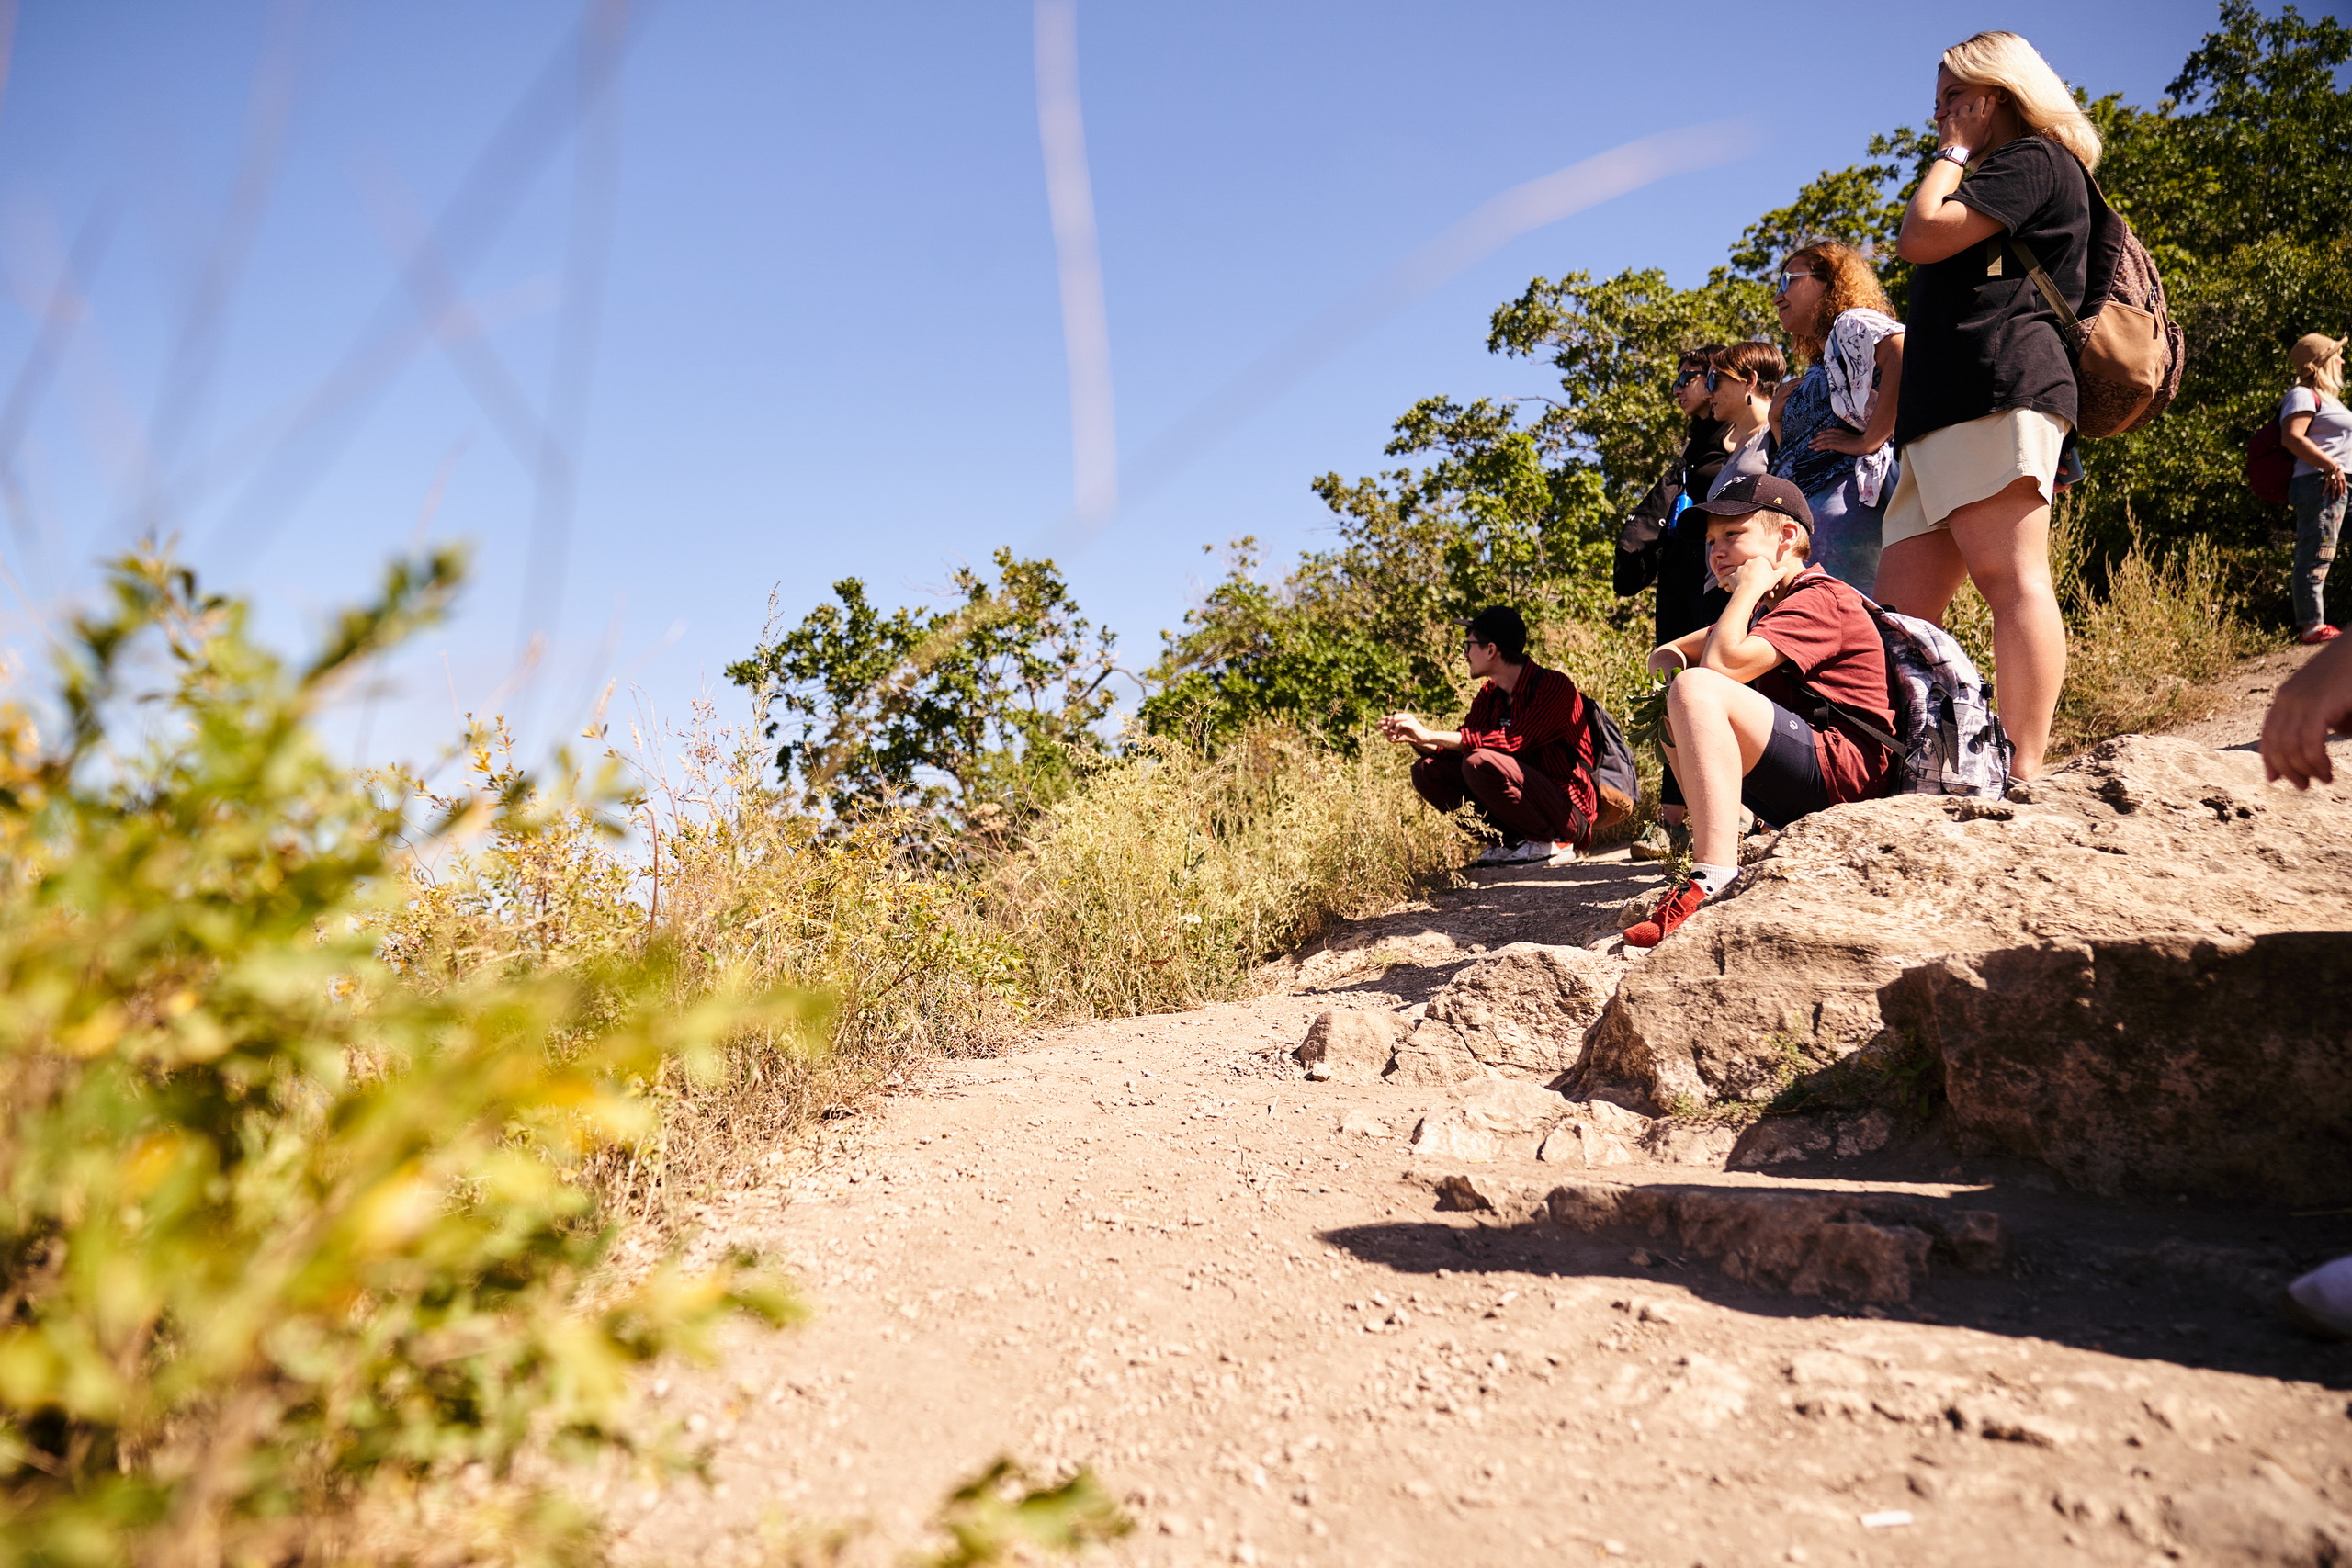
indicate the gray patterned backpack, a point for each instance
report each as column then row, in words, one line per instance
column 1947, row 738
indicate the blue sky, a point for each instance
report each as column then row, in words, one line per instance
column 825, row 338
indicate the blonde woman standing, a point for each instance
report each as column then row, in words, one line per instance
column 1988, row 396
column 1835, row 422
column 2315, row 425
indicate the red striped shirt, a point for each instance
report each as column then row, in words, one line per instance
column 1540, row 722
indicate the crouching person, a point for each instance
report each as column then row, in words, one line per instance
column 1523, row 755
column 1792, row 642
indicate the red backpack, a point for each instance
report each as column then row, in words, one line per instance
column 2269, row 465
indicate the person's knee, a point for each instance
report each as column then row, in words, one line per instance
column 1484, row 769
column 1697, row 692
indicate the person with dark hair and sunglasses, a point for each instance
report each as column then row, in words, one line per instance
column 1654, row 545
column 1523, row 756
column 1740, row 380
column 1663, row 543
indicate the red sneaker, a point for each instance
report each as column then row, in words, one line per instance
column 2320, row 632
column 1681, row 903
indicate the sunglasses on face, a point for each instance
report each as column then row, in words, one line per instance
column 1717, row 377
column 1792, row 277
column 1685, row 377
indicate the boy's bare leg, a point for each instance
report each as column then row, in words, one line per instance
column 1719, row 729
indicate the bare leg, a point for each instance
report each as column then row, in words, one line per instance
column 1919, row 575
column 2005, row 539
column 1719, row 729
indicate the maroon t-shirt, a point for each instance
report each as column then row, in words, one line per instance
column 1824, row 628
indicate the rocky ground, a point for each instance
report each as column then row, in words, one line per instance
column 1326, row 1313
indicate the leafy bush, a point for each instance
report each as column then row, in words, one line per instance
column 285, row 1238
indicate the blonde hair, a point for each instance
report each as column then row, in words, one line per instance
column 2043, row 100
column 1851, row 285
column 2326, row 378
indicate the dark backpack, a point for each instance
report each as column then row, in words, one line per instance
column 1616, row 786
column 2129, row 352
column 2269, row 465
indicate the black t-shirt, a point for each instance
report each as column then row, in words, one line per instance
column 1979, row 337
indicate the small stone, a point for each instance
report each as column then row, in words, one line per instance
column 1886, row 1518
column 1639, row 1259
column 1657, row 1312
column 1350, row 1044
column 1580, row 1143
column 1449, row 1135
column 2001, row 1421
column 1466, row 1194
column 1866, row 1134
column 1362, row 1124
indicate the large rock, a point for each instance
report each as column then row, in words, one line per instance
column 2166, row 1065
column 1525, row 1009
column 2142, row 837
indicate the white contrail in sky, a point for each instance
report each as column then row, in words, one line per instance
column 1494, row 223
column 1086, row 326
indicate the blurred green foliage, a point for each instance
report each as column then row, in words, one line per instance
column 284, row 1237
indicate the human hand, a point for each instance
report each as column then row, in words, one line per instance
column 1845, row 441
column 1403, row 729
column 1969, row 123
column 2312, row 701
column 2334, row 485
column 1755, row 576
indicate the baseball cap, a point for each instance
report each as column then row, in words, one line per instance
column 2313, row 348
column 1759, row 492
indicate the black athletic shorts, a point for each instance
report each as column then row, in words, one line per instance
column 1786, row 782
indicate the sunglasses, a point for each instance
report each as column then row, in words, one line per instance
column 1790, row 278
column 1685, row 377
column 1717, row 377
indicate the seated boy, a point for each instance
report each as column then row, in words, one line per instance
column 1524, row 754
column 1736, row 733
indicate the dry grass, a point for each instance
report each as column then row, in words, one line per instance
column 1160, row 883
column 2140, row 651
column 1173, row 873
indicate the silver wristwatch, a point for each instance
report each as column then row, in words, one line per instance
column 1954, row 155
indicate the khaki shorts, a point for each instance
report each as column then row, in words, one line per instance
column 1963, row 464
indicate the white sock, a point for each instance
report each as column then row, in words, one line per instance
column 1713, row 879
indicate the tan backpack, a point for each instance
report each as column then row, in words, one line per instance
column 2127, row 350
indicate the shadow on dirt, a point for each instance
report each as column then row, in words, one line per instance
column 2190, row 1287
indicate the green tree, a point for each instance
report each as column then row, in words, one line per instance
column 981, row 711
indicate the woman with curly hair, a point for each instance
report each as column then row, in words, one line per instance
column 1988, row 387
column 1835, row 422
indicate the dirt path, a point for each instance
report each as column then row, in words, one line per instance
column 1148, row 1247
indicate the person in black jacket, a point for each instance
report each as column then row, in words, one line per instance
column 1653, row 547
column 1659, row 545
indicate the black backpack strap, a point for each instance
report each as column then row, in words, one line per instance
column 1836, row 712
column 1828, row 710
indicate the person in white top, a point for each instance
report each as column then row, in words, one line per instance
column 2315, row 427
